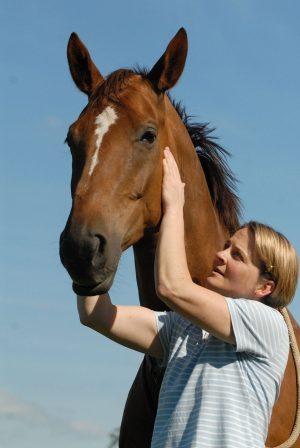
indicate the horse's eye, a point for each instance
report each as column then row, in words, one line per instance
column 148, row 137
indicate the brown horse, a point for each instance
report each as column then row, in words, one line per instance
column 117, row 150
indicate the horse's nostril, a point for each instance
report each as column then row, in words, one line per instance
column 102, row 243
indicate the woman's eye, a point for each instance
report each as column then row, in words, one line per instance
column 148, row 137
column 238, row 255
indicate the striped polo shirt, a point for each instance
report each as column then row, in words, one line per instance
column 215, row 394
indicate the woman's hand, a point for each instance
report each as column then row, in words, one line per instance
column 172, row 187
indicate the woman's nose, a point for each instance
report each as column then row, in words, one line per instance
column 221, row 256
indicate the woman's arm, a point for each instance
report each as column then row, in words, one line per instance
column 131, row 326
column 174, row 284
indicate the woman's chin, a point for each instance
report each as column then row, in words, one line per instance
column 214, row 283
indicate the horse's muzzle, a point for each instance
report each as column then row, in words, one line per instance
column 90, row 259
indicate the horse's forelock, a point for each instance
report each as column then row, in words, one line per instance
column 116, row 82
column 113, row 85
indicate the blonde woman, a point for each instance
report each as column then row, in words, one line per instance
column 225, row 346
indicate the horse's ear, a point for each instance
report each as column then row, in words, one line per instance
column 83, row 70
column 169, row 67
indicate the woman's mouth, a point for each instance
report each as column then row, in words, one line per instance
column 218, row 271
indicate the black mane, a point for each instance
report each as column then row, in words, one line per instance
column 219, row 177
column 213, row 157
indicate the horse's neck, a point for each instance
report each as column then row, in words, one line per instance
column 144, row 255
column 204, row 234
column 200, row 249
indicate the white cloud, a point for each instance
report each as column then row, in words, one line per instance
column 29, row 423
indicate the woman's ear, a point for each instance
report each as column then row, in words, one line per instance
column 265, row 288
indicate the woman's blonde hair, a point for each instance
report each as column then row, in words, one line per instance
column 278, row 262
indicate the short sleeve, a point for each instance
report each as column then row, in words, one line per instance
column 165, row 322
column 259, row 329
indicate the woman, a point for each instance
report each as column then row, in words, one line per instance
column 225, row 345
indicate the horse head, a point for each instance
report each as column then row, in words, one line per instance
column 117, row 147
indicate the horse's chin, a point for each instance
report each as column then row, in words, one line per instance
column 96, row 289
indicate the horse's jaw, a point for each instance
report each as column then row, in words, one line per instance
column 97, row 289
column 100, row 282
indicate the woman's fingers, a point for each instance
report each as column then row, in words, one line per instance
column 172, row 186
column 171, row 163
column 168, row 159
column 167, row 165
column 167, row 172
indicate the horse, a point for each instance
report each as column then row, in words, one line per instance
column 117, row 147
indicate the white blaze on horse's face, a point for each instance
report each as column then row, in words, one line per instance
column 103, row 122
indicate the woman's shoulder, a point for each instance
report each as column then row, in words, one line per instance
column 258, row 328
column 258, row 311
column 254, row 304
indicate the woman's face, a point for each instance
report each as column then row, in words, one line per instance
column 235, row 269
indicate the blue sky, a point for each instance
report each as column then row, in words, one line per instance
column 60, row 384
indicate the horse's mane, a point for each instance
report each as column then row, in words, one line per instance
column 219, row 177
column 213, row 157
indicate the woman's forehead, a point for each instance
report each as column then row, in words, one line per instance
column 243, row 239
